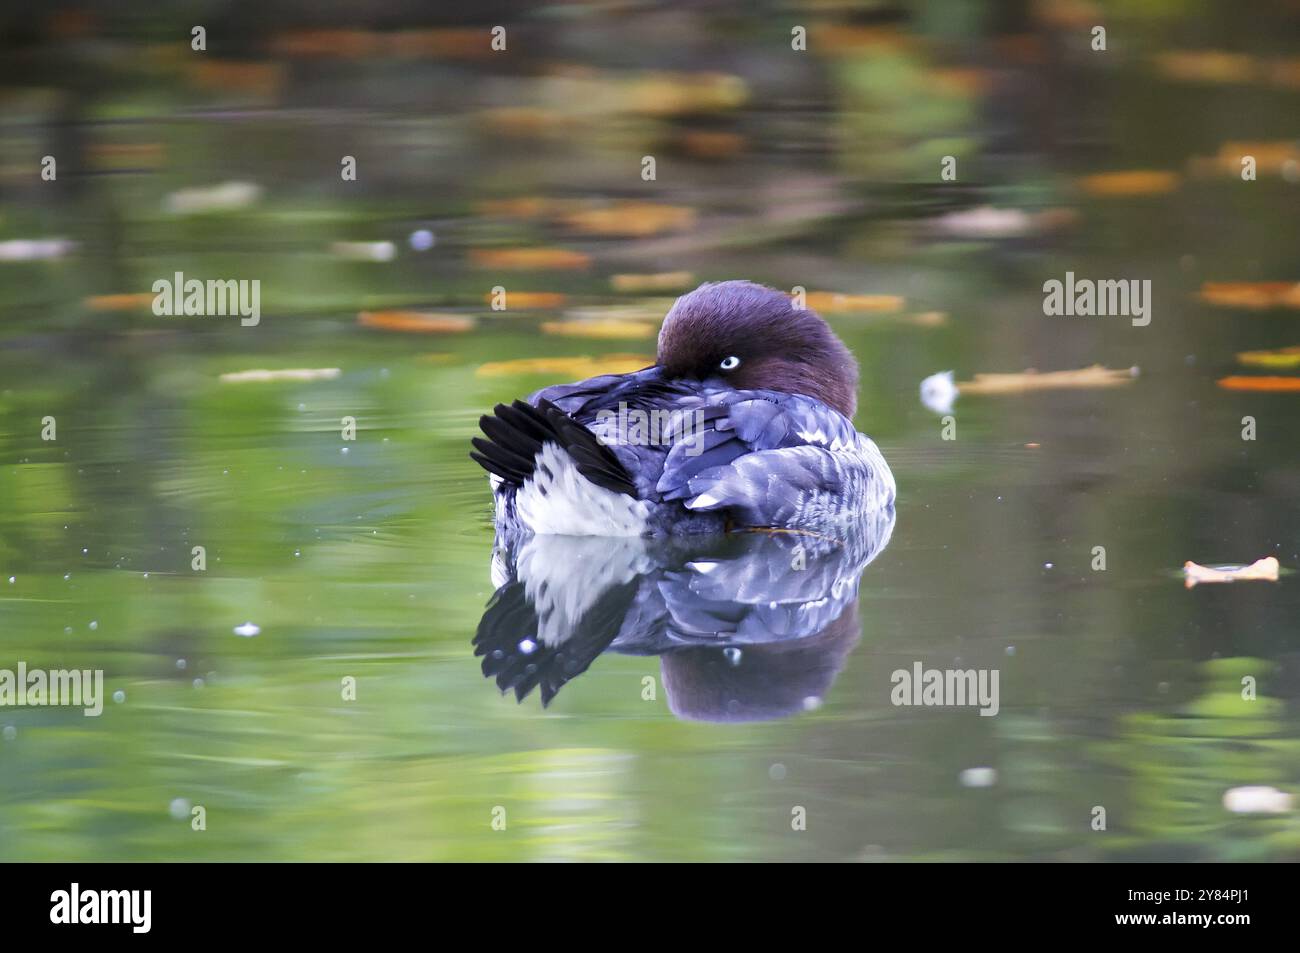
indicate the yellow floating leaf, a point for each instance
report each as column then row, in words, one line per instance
column 1132, row 182
column 1095, row 376
column 123, row 302
column 1265, row 569
column 827, row 302
column 630, row 219
column 665, row 281
column 529, row 259
column 675, row 94
column 709, row 144
column 570, row 368
column 522, row 207
column 526, row 122
column 245, row 76
column 1251, row 295
column 1283, row 357
column 1207, row 66
column 416, row 322
column 601, row 330
column 281, row 374
column 519, row 300
column 1265, row 384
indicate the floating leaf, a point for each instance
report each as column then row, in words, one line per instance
column 1283, row 357
column 665, row 281
column 1251, row 295
column 281, row 374
column 122, row 302
column 1207, row 66
column 830, row 303
column 1266, row 384
column 675, row 94
column 1095, row 376
column 1265, row 569
column 520, row 300
column 572, row 368
column 529, row 259
column 606, row 330
column 710, row 144
column 416, row 322
column 1132, row 182
column 630, row 219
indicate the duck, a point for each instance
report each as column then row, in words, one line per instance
column 743, row 423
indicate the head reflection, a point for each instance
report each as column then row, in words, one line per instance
column 749, row 626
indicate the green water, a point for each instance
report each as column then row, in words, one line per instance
column 369, row 558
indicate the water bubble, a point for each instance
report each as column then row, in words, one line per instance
column 12, row 580
column 978, row 778
column 1011, row 650
column 297, row 552
column 732, row 655
column 119, row 696
column 180, row 664
column 248, row 629
column 179, row 809
column 422, row 239
column 94, row 624
column 10, row 733
column 67, row 576
column 776, row 772
column 1048, row 565
column 343, row 449
column 198, row 683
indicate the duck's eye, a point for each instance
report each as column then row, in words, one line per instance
column 730, row 363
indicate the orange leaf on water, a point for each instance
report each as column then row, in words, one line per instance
column 1084, row 378
column 1268, row 384
column 1265, row 569
column 1132, row 182
column 529, row 259
column 123, row 302
column 606, row 330
column 1252, row 295
column 416, row 322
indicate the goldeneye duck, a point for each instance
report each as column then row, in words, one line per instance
column 744, row 421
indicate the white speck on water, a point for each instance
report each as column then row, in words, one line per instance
column 938, row 392
column 422, row 239
column 10, row 732
column 12, row 580
column 67, row 630
column 343, row 449
column 119, row 696
column 1048, row 565
column 181, row 663
column 297, row 552
column 732, row 655
column 84, row 551
column 1257, row 799
column 978, row 778
column 179, row 809
column 812, row 703
column 776, row 772
column 94, row 624
column 248, row 630
column 1011, row 650
column 198, row 683
column 528, row 646
column 67, row 576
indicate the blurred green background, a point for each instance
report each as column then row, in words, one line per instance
column 522, row 169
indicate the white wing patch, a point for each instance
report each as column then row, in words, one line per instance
column 561, row 501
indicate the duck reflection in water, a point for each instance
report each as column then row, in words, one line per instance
column 748, row 626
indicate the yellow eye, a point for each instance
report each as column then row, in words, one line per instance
column 730, row 363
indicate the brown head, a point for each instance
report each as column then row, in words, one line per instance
column 754, row 338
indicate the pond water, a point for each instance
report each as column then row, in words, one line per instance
column 307, row 676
